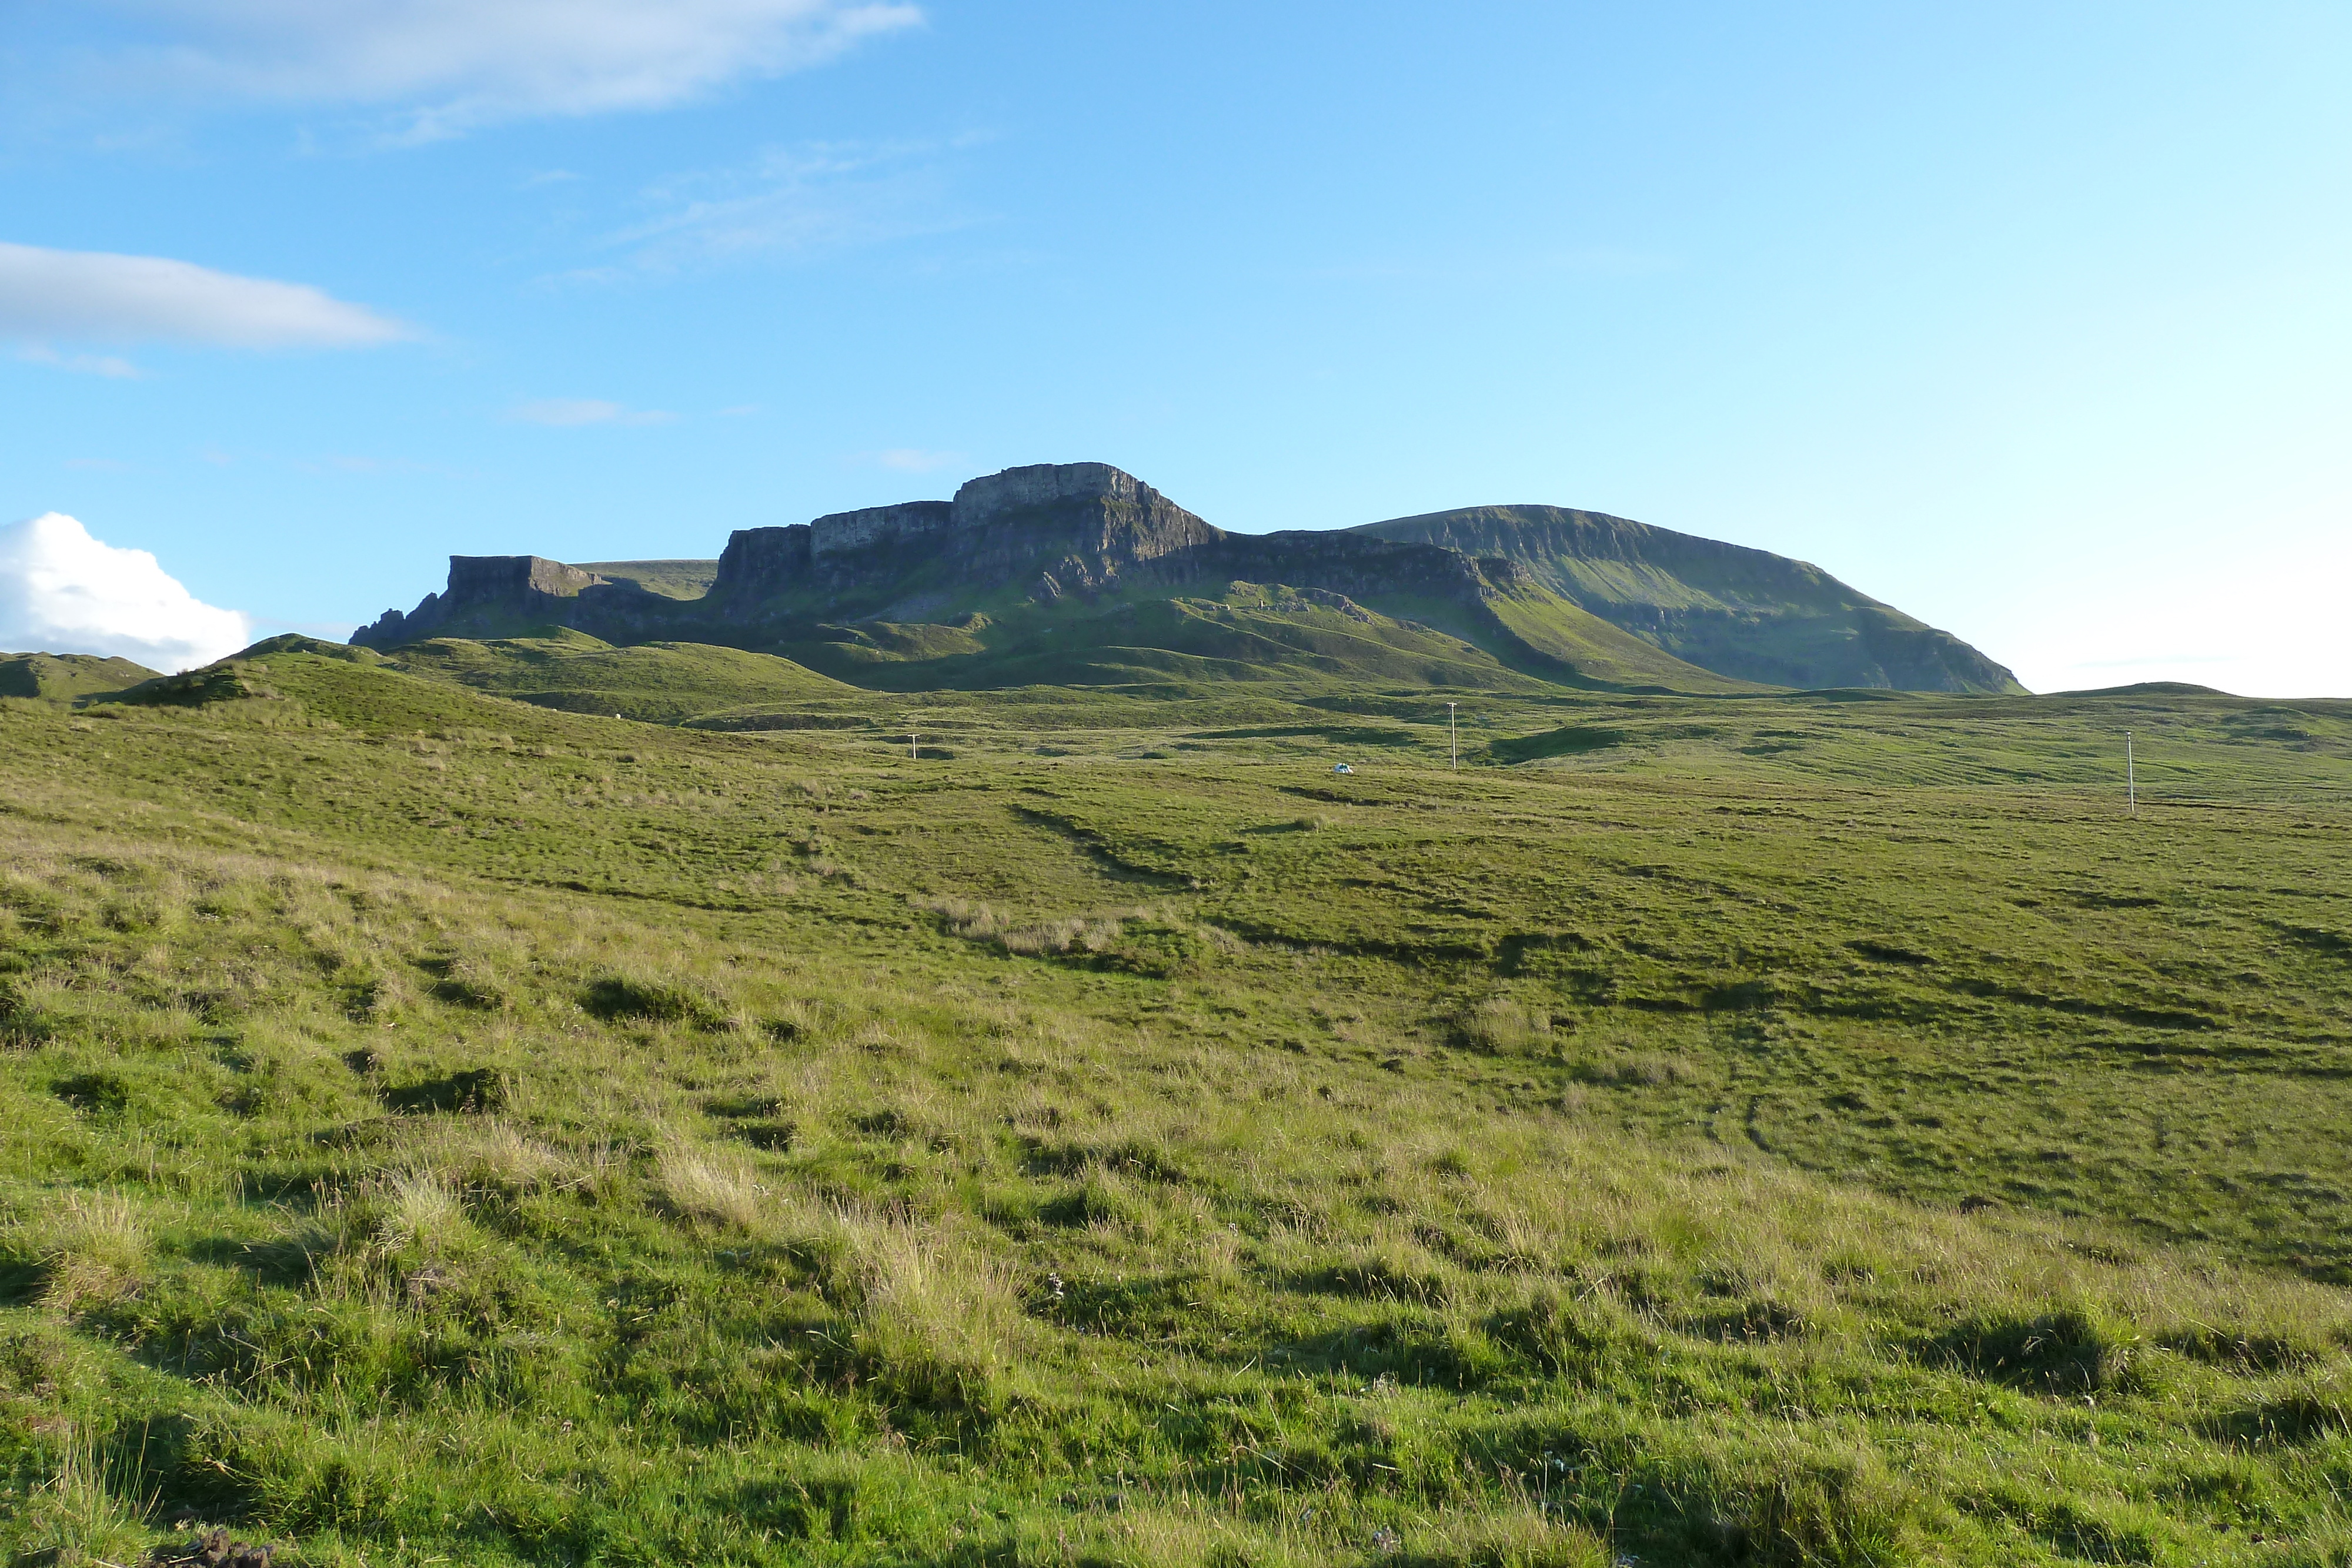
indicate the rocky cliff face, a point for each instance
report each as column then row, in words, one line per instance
column 503, row 590
column 839, row 532
column 1053, row 527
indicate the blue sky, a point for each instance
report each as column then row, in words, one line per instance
column 2029, row 319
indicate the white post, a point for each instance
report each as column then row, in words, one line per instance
column 2131, row 774
column 1451, row 741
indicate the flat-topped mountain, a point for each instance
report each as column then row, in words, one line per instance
column 1080, row 573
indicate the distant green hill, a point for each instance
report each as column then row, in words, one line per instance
column 1741, row 613
column 61, row 677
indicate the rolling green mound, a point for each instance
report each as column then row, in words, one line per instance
column 1765, row 1128
column 661, row 683
column 63, row 678
column 1745, row 613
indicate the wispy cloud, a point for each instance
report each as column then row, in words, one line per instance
column 84, row 295
column 809, row 198
column 442, row 67
column 109, row 365
column 564, row 412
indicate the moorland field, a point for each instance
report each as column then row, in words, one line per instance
column 1060, row 1126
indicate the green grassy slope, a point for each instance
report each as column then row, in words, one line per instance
column 671, row 578
column 1139, row 632
column 62, row 678
column 1758, row 1129
column 660, row 682
column 1253, row 634
column 1747, row 614
column 1567, row 642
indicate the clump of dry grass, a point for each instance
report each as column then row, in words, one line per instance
column 977, row 922
column 93, row 1249
column 87, row 1512
column 492, row 1154
column 938, row 1319
column 1648, row 1069
column 418, row 1212
column 714, row 1185
column 1072, row 933
column 1503, row 1026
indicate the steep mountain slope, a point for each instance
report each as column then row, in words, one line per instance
column 1742, row 613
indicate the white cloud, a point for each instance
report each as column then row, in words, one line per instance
column 564, row 412
column 446, row 65
column 62, row 592
column 91, row 295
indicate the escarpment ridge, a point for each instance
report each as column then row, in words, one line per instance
column 1050, row 557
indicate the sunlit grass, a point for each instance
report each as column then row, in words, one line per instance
column 540, row 1159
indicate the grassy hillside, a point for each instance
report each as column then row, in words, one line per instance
column 62, row 678
column 1273, row 632
column 660, row 682
column 1253, row 635
column 1746, row 614
column 1754, row 1129
column 1594, row 651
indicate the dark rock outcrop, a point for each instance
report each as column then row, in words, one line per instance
column 1055, row 528
column 493, row 595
